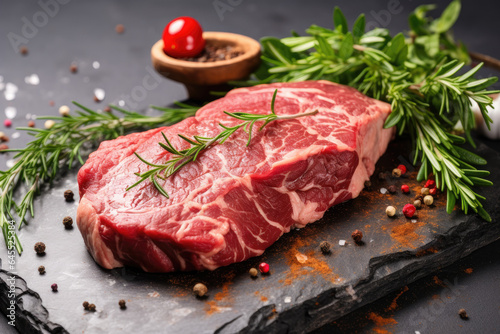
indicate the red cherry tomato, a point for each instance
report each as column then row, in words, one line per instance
column 183, row 37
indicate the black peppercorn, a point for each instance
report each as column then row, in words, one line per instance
column 122, row 303
column 392, row 189
column 40, row 248
column 463, row 314
column 325, row 247
column 54, row 287
column 85, row 305
column 92, row 308
column 41, row 270
column 381, row 176
column 357, row 236
column 68, row 196
column 368, row 184
column 67, row 222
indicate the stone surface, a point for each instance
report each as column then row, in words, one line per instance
column 296, row 297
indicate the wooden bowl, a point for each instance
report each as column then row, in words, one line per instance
column 200, row 78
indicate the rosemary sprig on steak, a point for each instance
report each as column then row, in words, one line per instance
column 420, row 75
column 180, row 158
column 59, row 147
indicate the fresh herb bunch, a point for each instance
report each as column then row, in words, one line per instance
column 419, row 75
column 60, row 146
column 199, row 144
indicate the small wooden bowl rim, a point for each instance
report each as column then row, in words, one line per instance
column 251, row 48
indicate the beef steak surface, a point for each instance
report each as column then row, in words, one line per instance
column 234, row 201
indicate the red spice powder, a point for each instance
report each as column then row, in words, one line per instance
column 312, row 266
column 406, row 235
column 468, row 270
column 223, row 298
column 437, row 281
column 394, row 303
column 381, row 322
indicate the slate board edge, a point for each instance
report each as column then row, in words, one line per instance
column 337, row 302
column 31, row 319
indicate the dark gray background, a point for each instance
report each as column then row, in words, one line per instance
column 83, row 32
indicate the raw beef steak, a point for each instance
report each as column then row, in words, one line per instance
column 234, row 201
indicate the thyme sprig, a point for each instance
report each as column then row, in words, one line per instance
column 59, row 147
column 420, row 75
column 181, row 158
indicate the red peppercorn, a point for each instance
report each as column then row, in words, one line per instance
column 430, row 184
column 183, row 37
column 54, row 287
column 7, row 123
column 405, row 188
column 409, row 210
column 433, row 191
column 402, row 168
column 264, row 268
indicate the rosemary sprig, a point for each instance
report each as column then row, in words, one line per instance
column 420, row 75
column 181, row 158
column 60, row 146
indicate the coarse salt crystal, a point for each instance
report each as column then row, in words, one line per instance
column 413, row 221
column 32, row 79
column 15, row 135
column 342, row 242
column 288, row 300
column 383, row 191
column 10, row 163
column 10, row 112
column 96, row 65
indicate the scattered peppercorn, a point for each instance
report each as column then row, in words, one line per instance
column 390, row 211
column 7, row 123
column 405, row 189
column 67, row 222
column 417, row 203
column 325, row 247
column 85, row 305
column 419, row 198
column 392, row 189
column 381, row 176
column 357, row 235
column 91, row 308
column 41, row 270
column 122, row 303
column 54, row 287
column 428, row 200
column 64, row 111
column 200, row 289
column 253, row 272
column 433, row 191
column 31, row 124
column 49, row 124
column 424, row 191
column 40, row 248
column 119, row 28
column 96, row 99
column 402, row 168
column 23, row 50
column 264, row 268
column 430, row 184
column 69, row 196
column 3, row 137
column 3, row 147
column 396, row 172
column 73, row 68
column 51, row 103
column 107, row 109
column 463, row 314
column 409, row 210
column 368, row 184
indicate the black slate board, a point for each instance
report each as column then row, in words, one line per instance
column 275, row 303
